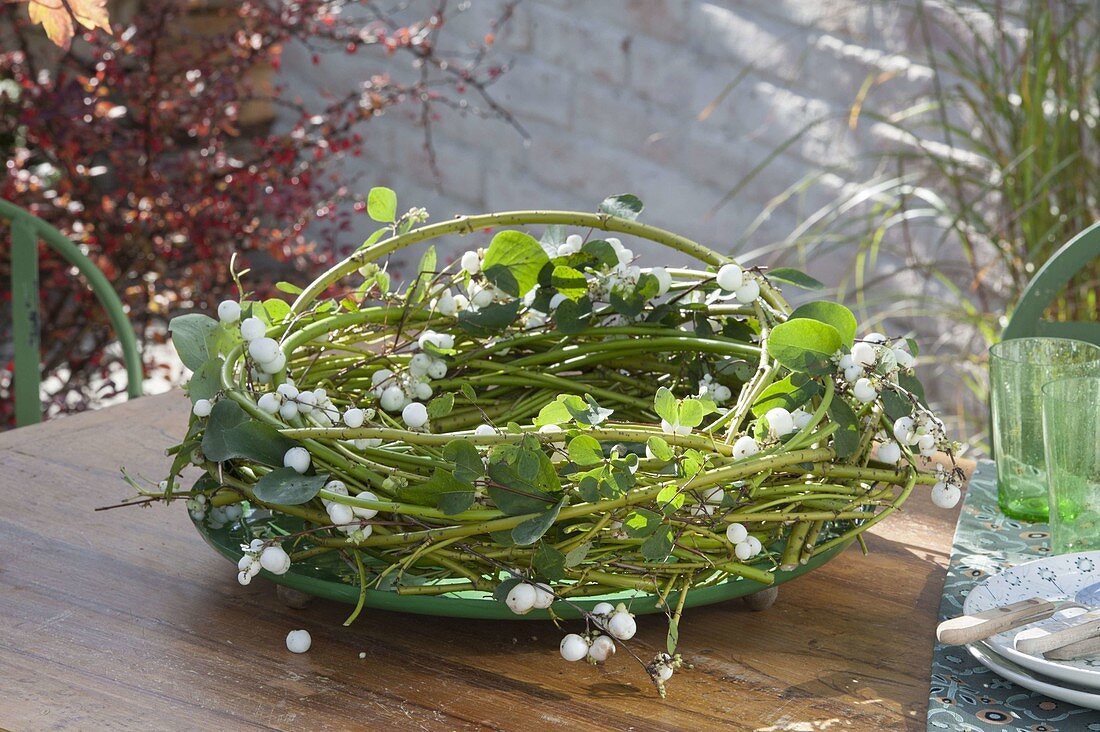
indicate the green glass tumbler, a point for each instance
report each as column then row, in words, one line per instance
column 1018, row 370
column 1071, row 432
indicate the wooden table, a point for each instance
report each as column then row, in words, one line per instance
column 125, row 619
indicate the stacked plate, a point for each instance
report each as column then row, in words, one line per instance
column 1068, row 577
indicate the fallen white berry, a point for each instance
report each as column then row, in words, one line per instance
column 229, row 311
column 202, row 407
column 573, row 647
column 297, row 458
column 945, row 495
column 736, row 533
column 601, row 649
column 730, row 277
column 252, row 328
column 275, row 560
column 521, row 598
column 415, row 415
column 298, row 641
column 664, row 672
column 780, row 421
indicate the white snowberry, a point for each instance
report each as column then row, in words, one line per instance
column 622, row 625
column 730, row 277
column 736, row 533
column 263, row 350
column 269, row 403
column 471, row 262
column 544, row 596
column 754, row 544
column 852, row 373
column 573, row 647
column 298, row 641
column 863, row 354
column 521, row 598
column 664, row 672
column 889, row 452
column 437, row 369
column 244, row 577
column 287, row 391
column 297, row 458
column 745, row 447
column 904, row 359
column 275, row 365
column 354, row 417
column 945, row 495
column 340, row 514
column 601, row 649
column 748, row 292
column 572, row 245
column 801, row 418
column 603, row 608
column 415, row 415
column 202, row 407
column 481, row 297
column 229, row 311
column 780, row 421
column 419, row 363
column 926, row 444
column 904, row 430
column 864, row 390
column 743, row 550
column 422, row 390
column 288, row 410
column 878, row 338
column 362, row 512
column 664, row 279
column 392, row 399
column 485, row 430
column 252, row 328
column 379, row 376
column 275, row 560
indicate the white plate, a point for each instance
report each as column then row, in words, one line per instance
column 1054, row 578
column 1073, row 694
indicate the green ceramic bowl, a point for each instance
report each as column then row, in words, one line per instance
column 329, row 577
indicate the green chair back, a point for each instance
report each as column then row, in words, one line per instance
column 1027, row 320
column 26, row 231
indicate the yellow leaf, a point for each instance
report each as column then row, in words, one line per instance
column 56, row 17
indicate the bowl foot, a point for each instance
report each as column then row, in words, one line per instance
column 762, row 600
column 293, row 598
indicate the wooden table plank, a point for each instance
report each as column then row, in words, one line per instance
column 124, row 619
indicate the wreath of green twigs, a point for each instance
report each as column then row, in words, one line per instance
column 586, row 427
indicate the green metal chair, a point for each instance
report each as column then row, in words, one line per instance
column 26, row 231
column 1052, row 277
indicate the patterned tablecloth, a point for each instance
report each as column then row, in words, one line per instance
column 966, row 695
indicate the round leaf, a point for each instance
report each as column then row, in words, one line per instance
column 804, row 345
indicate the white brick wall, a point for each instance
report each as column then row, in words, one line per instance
column 611, row 92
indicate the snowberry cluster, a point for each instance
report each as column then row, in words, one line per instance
column 261, row 555
column 398, row 391
column 616, row 623
column 745, row 545
column 288, row 402
column 736, row 283
column 870, row 361
column 525, row 597
column 713, row 390
column 352, row 520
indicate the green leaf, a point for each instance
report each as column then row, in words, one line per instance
column 664, row 404
column 548, row 562
column 207, row 381
column 577, row 554
column 441, row 406
column 692, row 412
column 231, row 434
column 846, row 438
column 286, row 487
column 601, row 252
column 569, row 282
column 454, row 502
column 442, row 486
column 573, row 316
column 789, row 393
column 554, row 413
column 804, row 345
column 520, row 256
column 554, row 235
column 670, row 498
column 490, row 320
column 524, row 479
column 382, row 205
column 288, row 288
column 277, row 310
column 625, row 206
column 468, row 392
column 657, row 547
column 642, row 522
column 533, row 528
column 466, row 459
column 795, row 277
column 832, row 313
column 585, row 450
column 659, row 449
column 192, row 335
